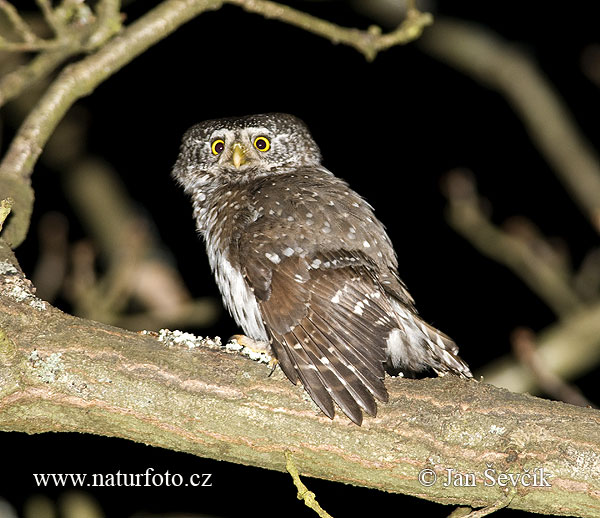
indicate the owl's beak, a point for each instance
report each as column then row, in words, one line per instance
column 239, row 155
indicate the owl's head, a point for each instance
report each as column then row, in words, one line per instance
column 236, row 149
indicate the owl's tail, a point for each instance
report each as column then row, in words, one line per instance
column 446, row 349
column 416, row 346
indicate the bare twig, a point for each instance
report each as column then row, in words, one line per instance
column 50, row 16
column 82, row 277
column 568, row 348
column 75, row 82
column 490, row 509
column 460, row 512
column 39, row 67
column 108, row 23
column 87, row 33
column 308, row 497
column 37, row 45
column 21, row 28
column 498, row 64
column 85, row 36
column 137, row 268
column 524, row 346
column 369, row 43
column 549, row 281
column 587, row 279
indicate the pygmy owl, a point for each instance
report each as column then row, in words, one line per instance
column 303, row 264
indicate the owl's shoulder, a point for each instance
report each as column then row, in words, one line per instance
column 313, row 189
column 309, row 212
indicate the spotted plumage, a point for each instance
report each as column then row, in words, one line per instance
column 303, row 264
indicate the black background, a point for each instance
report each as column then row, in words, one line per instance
column 392, row 128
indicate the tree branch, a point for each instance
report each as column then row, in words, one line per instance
column 308, row 497
column 13, row 83
column 536, row 269
column 568, row 348
column 500, row 65
column 19, row 25
column 83, row 77
column 369, row 43
column 524, row 345
column 88, row 377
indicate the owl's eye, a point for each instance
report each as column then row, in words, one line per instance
column 262, row 143
column 217, row 146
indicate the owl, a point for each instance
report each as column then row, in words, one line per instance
column 303, row 265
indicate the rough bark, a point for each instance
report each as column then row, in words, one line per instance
column 61, row 373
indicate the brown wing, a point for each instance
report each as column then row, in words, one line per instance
column 328, row 320
column 319, row 263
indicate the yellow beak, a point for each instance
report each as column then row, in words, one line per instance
column 239, row 155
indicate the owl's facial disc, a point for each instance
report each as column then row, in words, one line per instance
column 243, row 148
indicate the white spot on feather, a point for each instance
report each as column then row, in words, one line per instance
column 274, row 258
column 358, row 308
column 336, row 298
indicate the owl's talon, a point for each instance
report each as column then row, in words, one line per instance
column 273, row 365
column 257, row 346
column 256, row 350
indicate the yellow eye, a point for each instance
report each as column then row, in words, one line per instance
column 217, row 146
column 262, row 144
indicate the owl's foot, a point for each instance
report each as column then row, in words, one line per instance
column 258, row 347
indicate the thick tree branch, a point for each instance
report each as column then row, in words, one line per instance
column 83, row 376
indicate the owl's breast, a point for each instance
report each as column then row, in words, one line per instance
column 223, row 225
